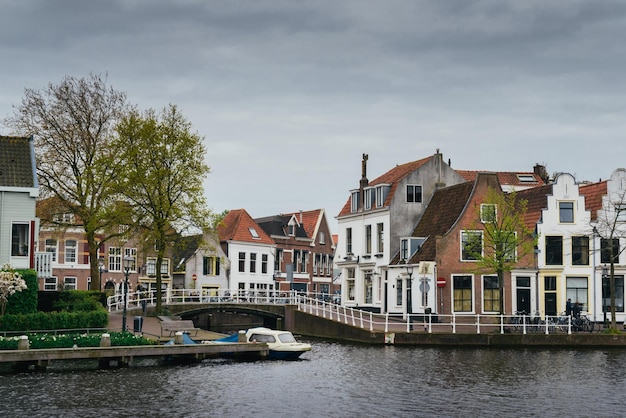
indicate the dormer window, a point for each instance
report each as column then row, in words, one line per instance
column 291, row 227
column 354, row 202
column 369, row 198
column 410, row 246
column 381, row 195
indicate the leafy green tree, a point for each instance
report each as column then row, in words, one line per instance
column 505, row 238
column 73, row 124
column 163, row 168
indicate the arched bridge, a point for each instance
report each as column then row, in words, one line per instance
column 220, row 313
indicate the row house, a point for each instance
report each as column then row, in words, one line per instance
column 204, row 265
column 251, row 253
column 304, row 257
column 63, row 239
column 439, row 261
column 383, row 237
column 19, row 190
column 580, row 227
column 377, row 215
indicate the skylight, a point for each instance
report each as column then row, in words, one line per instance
column 526, row 178
column 253, row 232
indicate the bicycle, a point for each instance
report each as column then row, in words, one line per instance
column 519, row 321
column 563, row 322
column 583, row 323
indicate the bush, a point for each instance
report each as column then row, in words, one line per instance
column 55, row 320
column 24, row 302
column 78, row 300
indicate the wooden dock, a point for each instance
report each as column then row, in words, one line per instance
column 107, row 357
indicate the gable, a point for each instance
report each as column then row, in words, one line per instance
column 17, row 162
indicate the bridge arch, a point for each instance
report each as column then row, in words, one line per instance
column 228, row 318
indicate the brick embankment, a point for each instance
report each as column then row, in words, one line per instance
column 315, row 326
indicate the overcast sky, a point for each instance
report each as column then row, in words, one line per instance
column 289, row 94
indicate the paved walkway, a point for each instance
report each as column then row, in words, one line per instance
column 151, row 328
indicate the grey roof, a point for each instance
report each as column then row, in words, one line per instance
column 17, row 162
column 275, row 226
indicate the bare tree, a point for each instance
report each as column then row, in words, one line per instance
column 72, row 124
column 164, row 169
column 610, row 227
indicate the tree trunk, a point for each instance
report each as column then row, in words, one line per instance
column 94, row 267
column 612, row 289
column 501, row 288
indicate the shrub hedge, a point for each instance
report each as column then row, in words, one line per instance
column 24, row 302
column 55, row 320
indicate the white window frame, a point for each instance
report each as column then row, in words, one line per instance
column 67, row 259
column 20, row 239
column 54, row 249
column 115, row 259
column 464, row 240
column 573, row 209
column 50, row 284
column 483, row 213
column 354, row 201
column 414, row 187
column 131, row 253
column 73, row 283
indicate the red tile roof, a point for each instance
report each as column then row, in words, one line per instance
column 536, row 200
column 593, row 196
column 236, row 227
column 309, row 220
column 443, row 211
column 391, row 177
column 508, row 178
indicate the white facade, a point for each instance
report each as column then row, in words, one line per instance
column 610, row 223
column 364, row 273
column 18, row 226
column 252, row 267
column 208, row 268
column 565, row 244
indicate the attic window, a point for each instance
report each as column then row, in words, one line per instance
column 526, row 178
column 253, row 232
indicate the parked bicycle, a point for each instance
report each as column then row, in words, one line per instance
column 563, row 322
column 519, row 321
column 583, row 323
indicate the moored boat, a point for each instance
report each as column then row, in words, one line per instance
column 282, row 344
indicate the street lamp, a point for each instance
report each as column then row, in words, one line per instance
column 128, row 263
column 100, row 267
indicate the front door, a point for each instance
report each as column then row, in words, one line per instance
column 550, row 301
column 523, row 300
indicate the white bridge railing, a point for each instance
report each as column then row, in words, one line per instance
column 465, row 323
column 327, row 306
column 144, row 299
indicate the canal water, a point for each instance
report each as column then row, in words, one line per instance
column 339, row 380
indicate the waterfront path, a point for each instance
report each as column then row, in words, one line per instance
column 151, row 328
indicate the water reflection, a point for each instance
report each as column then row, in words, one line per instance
column 339, row 380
